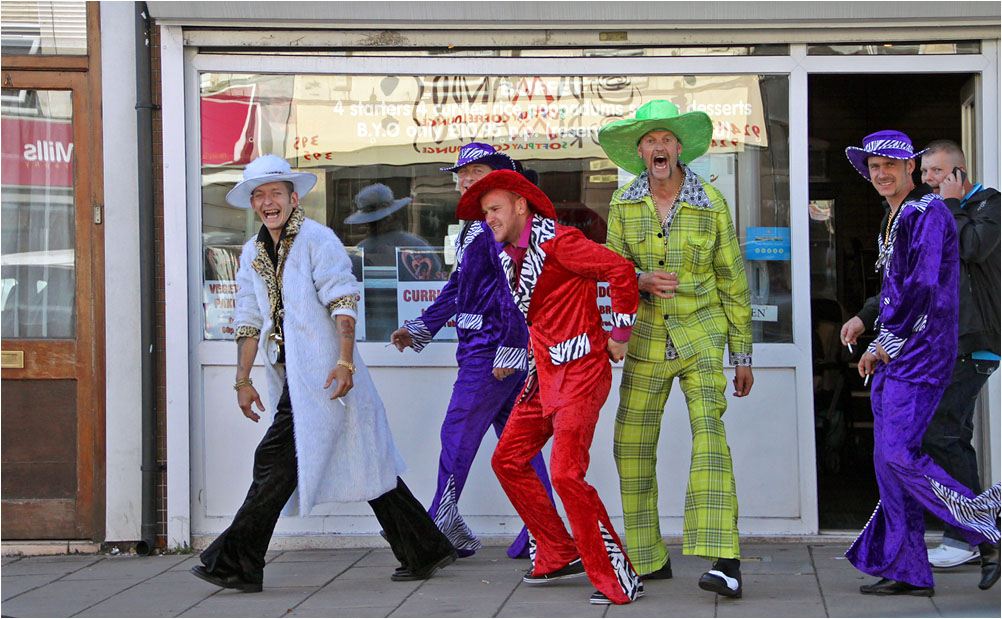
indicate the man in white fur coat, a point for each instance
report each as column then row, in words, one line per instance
column 329, row 436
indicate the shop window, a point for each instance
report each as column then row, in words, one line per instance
column 43, row 28
column 549, row 51
column 354, row 131
column 894, row 49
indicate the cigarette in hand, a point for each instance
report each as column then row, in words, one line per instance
column 866, row 380
column 849, row 345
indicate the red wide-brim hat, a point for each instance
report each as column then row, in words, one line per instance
column 509, row 180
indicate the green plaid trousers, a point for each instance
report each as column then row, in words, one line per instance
column 710, row 523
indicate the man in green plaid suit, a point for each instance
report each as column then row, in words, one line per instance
column 676, row 228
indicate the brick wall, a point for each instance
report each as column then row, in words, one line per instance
column 159, row 337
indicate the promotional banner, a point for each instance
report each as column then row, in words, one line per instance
column 219, row 295
column 36, row 152
column 359, row 120
column 421, row 275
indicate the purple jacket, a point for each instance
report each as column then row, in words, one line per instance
column 918, row 298
column 487, row 321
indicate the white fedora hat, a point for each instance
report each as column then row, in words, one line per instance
column 269, row 169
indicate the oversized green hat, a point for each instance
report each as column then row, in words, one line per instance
column 619, row 140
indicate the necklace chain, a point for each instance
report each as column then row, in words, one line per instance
column 671, row 207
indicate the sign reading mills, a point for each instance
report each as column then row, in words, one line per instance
column 359, row 120
column 36, row 152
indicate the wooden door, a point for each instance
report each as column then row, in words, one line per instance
column 52, row 444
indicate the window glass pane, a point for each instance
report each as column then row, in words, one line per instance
column 354, row 131
column 523, row 52
column 890, row 49
column 38, row 262
column 43, row 28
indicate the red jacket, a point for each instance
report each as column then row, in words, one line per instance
column 556, row 291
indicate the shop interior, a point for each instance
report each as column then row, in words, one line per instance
column 845, row 214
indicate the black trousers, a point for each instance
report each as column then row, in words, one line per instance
column 239, row 550
column 947, row 440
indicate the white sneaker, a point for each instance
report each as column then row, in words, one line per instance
column 950, row 556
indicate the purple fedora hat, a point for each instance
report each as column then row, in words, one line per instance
column 478, row 152
column 887, row 143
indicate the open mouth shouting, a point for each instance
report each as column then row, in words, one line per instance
column 271, row 215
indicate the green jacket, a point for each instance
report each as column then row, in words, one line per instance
column 712, row 305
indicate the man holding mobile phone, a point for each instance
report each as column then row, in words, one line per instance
column 975, row 209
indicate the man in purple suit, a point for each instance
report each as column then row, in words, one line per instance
column 492, row 355
column 911, row 362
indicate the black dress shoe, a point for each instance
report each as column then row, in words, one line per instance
column 724, row 579
column 989, row 565
column 572, row 570
column 226, row 582
column 402, row 574
column 886, row 586
column 664, row 573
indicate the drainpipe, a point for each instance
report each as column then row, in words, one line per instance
column 147, row 278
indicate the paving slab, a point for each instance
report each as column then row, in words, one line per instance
column 16, row 585
column 61, row 565
column 346, row 555
column 126, row 568
column 303, row 573
column 658, row 602
column 775, row 559
column 360, row 593
column 153, row 599
column 859, row 605
column 62, row 598
column 340, row 611
column 543, row 608
column 272, row 602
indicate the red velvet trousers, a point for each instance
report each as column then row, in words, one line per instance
column 594, row 540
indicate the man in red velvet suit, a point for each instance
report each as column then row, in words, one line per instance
column 553, row 271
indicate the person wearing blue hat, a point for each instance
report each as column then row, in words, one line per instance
column 491, row 355
column 329, row 439
column 911, row 361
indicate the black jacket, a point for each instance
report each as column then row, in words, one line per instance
column 978, row 223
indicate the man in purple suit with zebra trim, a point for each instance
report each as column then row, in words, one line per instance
column 491, row 355
column 911, row 362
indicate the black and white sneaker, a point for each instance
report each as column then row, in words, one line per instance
column 601, row 599
column 572, row 570
column 721, row 583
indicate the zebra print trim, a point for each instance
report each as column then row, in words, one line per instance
column 543, row 229
column 569, row 350
column 628, row 579
column 532, row 553
column 623, row 320
column 510, row 357
column 530, row 376
column 978, row 514
column 420, row 334
column 919, row 324
column 451, row 524
column 865, row 527
column 470, row 322
column 474, row 230
column 886, row 250
column 891, row 343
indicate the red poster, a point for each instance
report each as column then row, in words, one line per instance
column 36, row 152
column 230, row 127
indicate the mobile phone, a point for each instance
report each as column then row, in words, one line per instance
column 960, row 175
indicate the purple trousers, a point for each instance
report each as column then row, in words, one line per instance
column 478, row 402
column 892, row 545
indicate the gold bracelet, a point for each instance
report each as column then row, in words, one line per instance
column 347, row 364
column 243, row 382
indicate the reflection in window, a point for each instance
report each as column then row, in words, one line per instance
column 398, row 131
column 894, row 49
column 37, row 260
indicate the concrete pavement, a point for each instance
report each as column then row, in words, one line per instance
column 780, row 580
